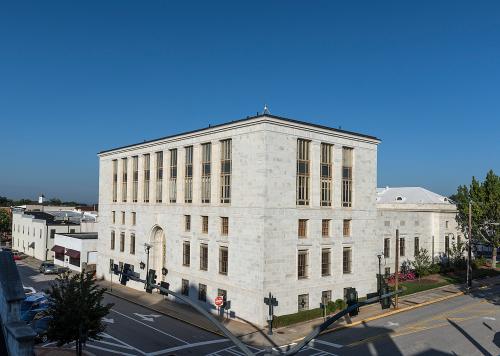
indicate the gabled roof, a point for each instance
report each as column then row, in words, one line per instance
column 249, row 118
column 410, row 195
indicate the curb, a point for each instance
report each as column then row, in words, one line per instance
column 166, row 314
column 392, row 312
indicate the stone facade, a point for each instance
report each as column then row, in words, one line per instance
column 262, row 239
column 419, row 215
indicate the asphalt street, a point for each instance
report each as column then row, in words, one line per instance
column 465, row 325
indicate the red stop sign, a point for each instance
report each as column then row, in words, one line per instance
column 219, row 300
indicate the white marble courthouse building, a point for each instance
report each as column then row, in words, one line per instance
column 258, row 205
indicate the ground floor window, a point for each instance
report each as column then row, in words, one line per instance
column 74, row 261
column 59, row 256
column 303, row 302
column 185, row 287
column 326, row 296
column 202, row 292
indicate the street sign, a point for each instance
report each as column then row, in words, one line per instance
column 219, row 300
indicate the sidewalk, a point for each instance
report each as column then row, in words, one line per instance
column 256, row 336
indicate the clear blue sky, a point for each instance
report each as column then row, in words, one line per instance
column 80, row 77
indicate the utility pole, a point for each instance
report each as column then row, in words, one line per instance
column 469, row 251
column 396, row 299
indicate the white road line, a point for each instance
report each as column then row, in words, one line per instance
column 109, row 350
column 49, row 343
column 337, row 346
column 196, row 344
column 122, row 342
column 113, row 344
column 234, row 352
column 149, row 326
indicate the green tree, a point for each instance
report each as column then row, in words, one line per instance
column 422, row 263
column 5, row 221
column 77, row 310
column 485, row 210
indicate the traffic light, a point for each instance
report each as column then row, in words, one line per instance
column 151, row 280
column 164, row 285
column 352, row 299
column 124, row 277
column 385, row 302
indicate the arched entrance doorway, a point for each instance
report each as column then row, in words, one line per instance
column 158, row 252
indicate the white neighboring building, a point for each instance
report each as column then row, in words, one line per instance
column 33, row 232
column 76, row 251
column 424, row 219
column 258, row 205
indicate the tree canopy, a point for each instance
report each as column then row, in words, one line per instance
column 76, row 309
column 485, row 208
column 5, row 221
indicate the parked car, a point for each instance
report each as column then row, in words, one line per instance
column 41, row 325
column 8, row 249
column 17, row 256
column 29, row 290
column 33, row 301
column 30, row 314
column 48, row 267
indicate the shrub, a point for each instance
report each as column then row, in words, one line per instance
column 479, row 262
column 422, row 263
column 340, row 304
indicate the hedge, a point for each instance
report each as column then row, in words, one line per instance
column 289, row 319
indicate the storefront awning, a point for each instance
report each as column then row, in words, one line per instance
column 72, row 253
column 57, row 249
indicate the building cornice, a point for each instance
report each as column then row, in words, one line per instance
column 247, row 122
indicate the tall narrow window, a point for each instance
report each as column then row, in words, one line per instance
column 185, row 287
column 112, row 244
column 402, row 247
column 159, row 176
column 303, row 302
column 325, row 262
column 132, row 244
column 188, row 177
column 347, row 260
column 447, row 245
column 302, row 228
column 206, row 170
column 173, row 176
column 223, row 257
column 134, row 217
column 187, row 223
column 124, row 180
column 135, row 178
column 122, row 242
column 202, row 292
column 147, row 176
column 204, row 224
column 302, row 264
column 325, row 228
column 225, row 171
column 387, row 248
column 347, row 176
column 113, row 217
column 115, row 180
column 186, row 254
column 416, row 247
column 303, row 172
column 224, row 229
column 347, row 228
column 204, row 257
column 326, row 174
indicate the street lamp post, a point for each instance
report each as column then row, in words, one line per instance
column 379, row 279
column 147, row 247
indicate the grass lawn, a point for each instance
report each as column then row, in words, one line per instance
column 439, row 280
